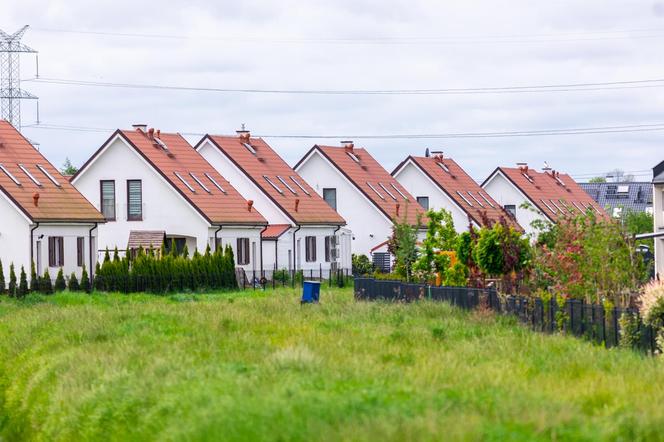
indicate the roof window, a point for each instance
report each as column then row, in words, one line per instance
column 547, row 206
column 374, row 189
column 387, row 191
column 200, row 183
column 11, row 177
column 306, row 192
column 273, row 185
column 486, row 199
column 283, row 181
column 399, row 191
column 29, row 175
column 354, row 157
column 464, row 198
column 250, row 148
column 527, row 177
column 214, row 182
column 444, row 167
column 476, row 200
column 177, row 174
column 161, row 143
column 48, row 175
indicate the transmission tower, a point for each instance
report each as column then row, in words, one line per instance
column 11, row 93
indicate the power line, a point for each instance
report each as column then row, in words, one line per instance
column 563, row 87
column 504, row 134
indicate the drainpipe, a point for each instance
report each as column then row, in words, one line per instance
column 294, row 249
column 92, row 269
column 335, row 234
column 261, row 239
column 215, row 237
column 32, row 246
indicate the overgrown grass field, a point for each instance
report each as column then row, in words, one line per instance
column 258, row 366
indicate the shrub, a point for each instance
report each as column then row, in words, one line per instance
column 73, row 284
column 630, row 333
column 12, row 280
column 282, row 276
column 85, row 281
column 652, row 303
column 46, row 285
column 361, row 265
column 34, row 279
column 22, row 290
column 60, row 283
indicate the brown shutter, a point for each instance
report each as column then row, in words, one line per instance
column 61, row 258
column 51, row 251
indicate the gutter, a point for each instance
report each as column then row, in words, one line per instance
column 32, row 246
column 294, row 249
column 92, row 269
column 215, row 236
column 261, row 240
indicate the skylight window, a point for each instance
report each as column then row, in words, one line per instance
column 557, row 206
column 200, row 183
column 547, row 206
column 486, row 199
column 354, row 157
column 184, row 182
column 273, row 185
column 444, row 167
column 250, row 148
column 528, row 177
column 11, row 177
column 399, row 191
column 213, row 181
column 48, row 175
column 306, row 192
column 580, row 209
column 374, row 189
column 29, row 175
column 387, row 191
column 476, row 200
column 160, row 143
column 283, row 181
column 464, row 198
column 560, row 181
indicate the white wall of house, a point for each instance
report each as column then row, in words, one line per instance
column 658, row 216
column 14, row 237
column 70, row 234
column 369, row 226
column 163, row 207
column 245, row 186
column 418, row 184
column 505, row 193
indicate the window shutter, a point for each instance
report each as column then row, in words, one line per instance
column 51, row 251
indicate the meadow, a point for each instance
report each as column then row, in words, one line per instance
column 259, row 366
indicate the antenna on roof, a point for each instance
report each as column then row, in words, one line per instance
column 243, row 133
column 546, row 167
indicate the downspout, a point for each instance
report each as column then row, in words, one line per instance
column 261, row 236
column 335, row 234
column 32, row 246
column 92, row 269
column 215, row 237
column 294, row 249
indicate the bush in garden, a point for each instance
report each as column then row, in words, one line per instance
column 60, row 283
column 73, row 284
column 99, row 280
column 630, row 334
column 283, row 275
column 402, row 244
column 46, row 285
column 2, row 279
column 362, row 265
column 22, row 289
column 652, row 309
column 34, row 279
column 441, row 237
column 12, row 280
column 85, row 281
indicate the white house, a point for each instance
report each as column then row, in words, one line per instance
column 440, row 183
column 658, row 217
column 362, row 191
column 43, row 219
column 151, row 185
column 549, row 194
column 304, row 233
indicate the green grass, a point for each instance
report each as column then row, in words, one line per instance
column 258, row 366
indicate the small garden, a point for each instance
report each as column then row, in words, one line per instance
column 582, row 258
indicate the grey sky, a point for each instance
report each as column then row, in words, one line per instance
column 287, row 45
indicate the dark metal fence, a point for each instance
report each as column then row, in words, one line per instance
column 266, row 279
column 576, row 317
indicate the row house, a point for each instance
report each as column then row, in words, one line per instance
column 352, row 182
column 153, row 187
column 530, row 195
column 304, row 233
column 438, row 183
column 43, row 219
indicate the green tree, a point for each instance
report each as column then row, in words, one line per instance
column 2, row 279
column 73, row 284
column 361, row 265
column 60, row 283
column 597, row 179
column 441, row 236
column 68, row 168
column 402, row 244
column 85, row 281
column 34, row 279
column 46, row 284
column 12, row 280
column 22, row 290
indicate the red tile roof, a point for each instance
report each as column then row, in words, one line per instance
column 56, row 202
column 376, row 183
column 274, row 231
column 198, row 182
column 270, row 173
column 553, row 193
column 461, row 188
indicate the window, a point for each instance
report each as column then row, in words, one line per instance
column 250, row 148
column 353, row 156
column 548, row 207
column 444, row 167
column 80, row 251
column 213, row 181
column 486, row 199
column 306, row 192
column 283, row 181
column 476, row 200
column 11, row 177
column 48, row 175
column 200, row 183
column 374, row 189
column 330, row 248
column 273, row 185
column 29, row 175
column 387, row 191
column 134, row 200
column 108, row 199
column 310, row 248
column 242, row 251
column 330, row 197
column 399, row 191
column 56, row 251
column 464, row 198
column 423, row 201
column 177, row 174
column 510, row 209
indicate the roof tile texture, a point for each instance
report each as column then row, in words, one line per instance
column 55, row 203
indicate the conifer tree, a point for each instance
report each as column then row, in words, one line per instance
column 34, row 279
column 73, row 284
column 174, row 249
column 22, row 290
column 107, row 256
column 85, row 281
column 46, row 284
column 116, row 255
column 60, row 283
column 185, row 251
column 12, row 280
column 2, row 279
column 99, row 279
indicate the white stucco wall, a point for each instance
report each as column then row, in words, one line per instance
column 418, row 184
column 369, row 226
column 14, row 237
column 505, row 193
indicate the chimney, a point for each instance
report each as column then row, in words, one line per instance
column 250, row 203
column 151, row 133
column 243, row 134
column 158, row 134
column 398, row 206
column 437, row 155
column 297, row 203
column 35, row 199
column 140, row 127
column 348, row 145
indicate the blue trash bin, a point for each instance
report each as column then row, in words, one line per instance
column 310, row 292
